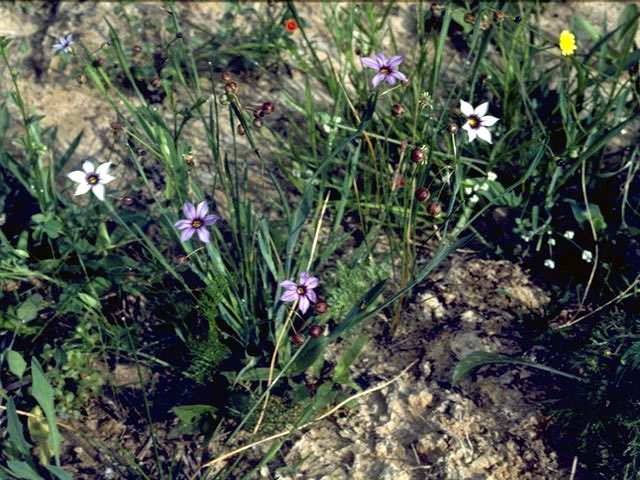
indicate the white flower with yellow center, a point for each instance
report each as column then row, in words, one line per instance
column 91, row 178
column 477, row 121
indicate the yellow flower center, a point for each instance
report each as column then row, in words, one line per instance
column 92, row 179
column 301, row 291
column 385, row 70
column 567, row 43
column 196, row 224
column 473, row 122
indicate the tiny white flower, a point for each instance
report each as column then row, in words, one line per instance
column 477, row 121
column 491, row 176
column 551, row 241
column 550, row 263
column 326, row 128
column 568, row 235
column 484, row 187
column 91, row 178
column 587, row 256
column 474, row 199
column 526, row 238
column 468, row 190
column 476, row 187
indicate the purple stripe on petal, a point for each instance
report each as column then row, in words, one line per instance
column 289, row 296
column 303, row 277
column 382, row 60
column 391, row 79
column 304, row 304
column 182, row 224
column 311, row 295
column 210, row 220
column 189, row 210
column 375, row 81
column 187, row 234
column 400, row 76
column 289, row 285
column 370, row 62
column 311, row 282
column 395, row 61
column 202, row 209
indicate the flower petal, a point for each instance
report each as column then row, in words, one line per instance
column 202, row 209
column 98, row 191
column 68, row 39
column 370, row 63
column 103, row 168
column 187, row 234
column 289, row 285
column 83, row 188
column 466, row 108
column 304, row 276
column 381, row 59
column 189, row 210
column 203, row 235
column 378, row 79
column 77, row 176
column 58, row 46
column 289, row 296
column 210, row 219
column 391, row 80
column 311, row 295
column 311, row 282
column 105, row 178
column 395, row 61
column 88, row 167
column 488, row 120
column 484, row 134
column 182, row 224
column 304, row 304
column 472, row 134
column 482, row 109
column 400, row 76
column 467, row 126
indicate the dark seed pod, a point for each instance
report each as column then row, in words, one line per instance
column 240, row 130
column 141, row 152
column 81, row 79
column 127, row 200
column 417, row 155
column 116, row 126
column 311, row 386
column 316, row 331
column 268, row 107
column 434, row 208
column 517, row 19
column 469, row 18
column 179, row 35
column 181, row 259
column 136, row 49
column 321, row 307
column 358, row 52
column 422, row 194
column 633, row 70
column 257, row 122
column 231, row 87
column 298, row 339
column 498, row 16
column 225, row 77
column 561, row 162
column 155, row 82
column 397, row 110
column 98, row 62
column 452, row 128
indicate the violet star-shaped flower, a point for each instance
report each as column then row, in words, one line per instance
column 477, row 121
column 197, row 220
column 386, row 69
column 302, row 291
column 91, row 178
column 64, row 44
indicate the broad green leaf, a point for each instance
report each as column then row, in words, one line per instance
column 59, row 473
column 30, row 308
column 17, row 364
column 23, row 470
column 43, row 393
column 89, row 300
column 14, row 427
column 475, row 360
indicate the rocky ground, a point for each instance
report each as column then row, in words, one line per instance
column 419, row 427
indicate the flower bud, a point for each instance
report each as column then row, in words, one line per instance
column 417, row 155
column 155, row 82
column 517, row 19
column 98, row 62
column 316, row 331
column 136, row 49
column 82, row 79
column 436, row 7
column 181, row 259
column 268, row 107
column 240, row 129
column 179, row 35
column 225, row 77
column 321, row 307
column 127, row 200
column 469, row 18
column 257, row 122
column 115, row 126
column 298, row 339
column 188, row 159
column 311, row 386
column 231, row 87
column 452, row 128
column 498, row 16
column 633, row 70
column 141, row 152
column 422, row 194
column 397, row 110
column 434, row 208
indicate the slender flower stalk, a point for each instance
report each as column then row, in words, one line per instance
column 91, row 178
column 197, row 220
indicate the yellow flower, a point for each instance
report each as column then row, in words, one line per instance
column 567, row 43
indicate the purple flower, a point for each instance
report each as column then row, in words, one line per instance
column 303, row 291
column 91, row 178
column 386, row 69
column 64, row 44
column 196, row 221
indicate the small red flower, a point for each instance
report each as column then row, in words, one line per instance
column 291, row 25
